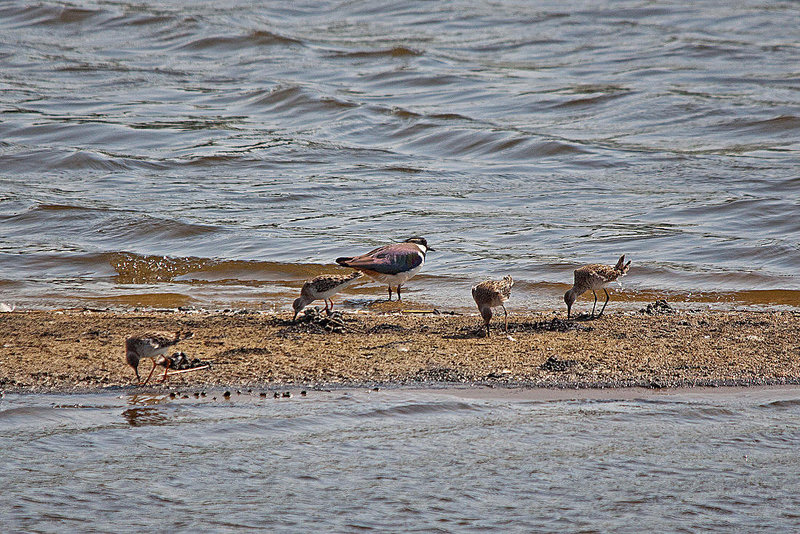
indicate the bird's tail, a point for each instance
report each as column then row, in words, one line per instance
column 621, row 265
column 344, row 261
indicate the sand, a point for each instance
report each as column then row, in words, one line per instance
column 82, row 350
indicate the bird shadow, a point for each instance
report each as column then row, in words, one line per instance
column 553, row 325
column 467, row 332
column 584, row 317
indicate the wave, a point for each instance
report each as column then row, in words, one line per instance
column 257, row 38
column 59, row 159
column 484, row 144
column 96, row 225
column 412, row 409
column 775, row 125
column 787, row 404
column 46, row 15
column 141, row 269
column 395, row 51
column 296, row 99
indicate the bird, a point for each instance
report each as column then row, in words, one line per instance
column 323, row 287
column 151, row 345
column 594, row 276
column 490, row 294
column 391, row 264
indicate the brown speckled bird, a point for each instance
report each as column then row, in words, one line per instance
column 151, row 345
column 490, row 294
column 323, row 287
column 594, row 276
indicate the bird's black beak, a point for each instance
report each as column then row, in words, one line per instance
column 429, row 249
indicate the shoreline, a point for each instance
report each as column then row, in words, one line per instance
column 80, row 351
column 465, row 392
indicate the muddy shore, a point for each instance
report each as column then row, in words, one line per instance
column 82, row 350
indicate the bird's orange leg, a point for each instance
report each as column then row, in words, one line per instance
column 166, row 368
column 151, row 373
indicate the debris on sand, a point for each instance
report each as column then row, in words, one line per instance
column 439, row 374
column 554, row 364
column 553, row 325
column 659, row 307
column 314, row 321
column 385, row 327
column 179, row 362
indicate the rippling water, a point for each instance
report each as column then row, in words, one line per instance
column 173, row 153
column 402, row 460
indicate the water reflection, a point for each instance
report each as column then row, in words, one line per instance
column 146, row 399
column 145, row 416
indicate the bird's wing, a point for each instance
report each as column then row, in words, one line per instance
column 162, row 339
column 389, row 259
column 607, row 273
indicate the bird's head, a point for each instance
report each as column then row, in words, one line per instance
column 132, row 358
column 298, row 304
column 421, row 241
column 569, row 300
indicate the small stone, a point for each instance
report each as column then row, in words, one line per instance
column 227, row 394
column 287, row 394
column 263, row 394
column 172, row 395
column 303, row 393
column 276, row 395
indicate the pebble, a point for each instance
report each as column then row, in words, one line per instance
column 263, row 394
column 227, row 394
column 287, row 394
column 276, row 395
column 303, row 393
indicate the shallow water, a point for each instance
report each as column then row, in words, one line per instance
column 172, row 153
column 410, row 460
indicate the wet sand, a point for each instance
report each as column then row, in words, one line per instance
column 82, row 350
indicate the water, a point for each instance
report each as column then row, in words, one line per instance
column 172, row 153
column 403, row 460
